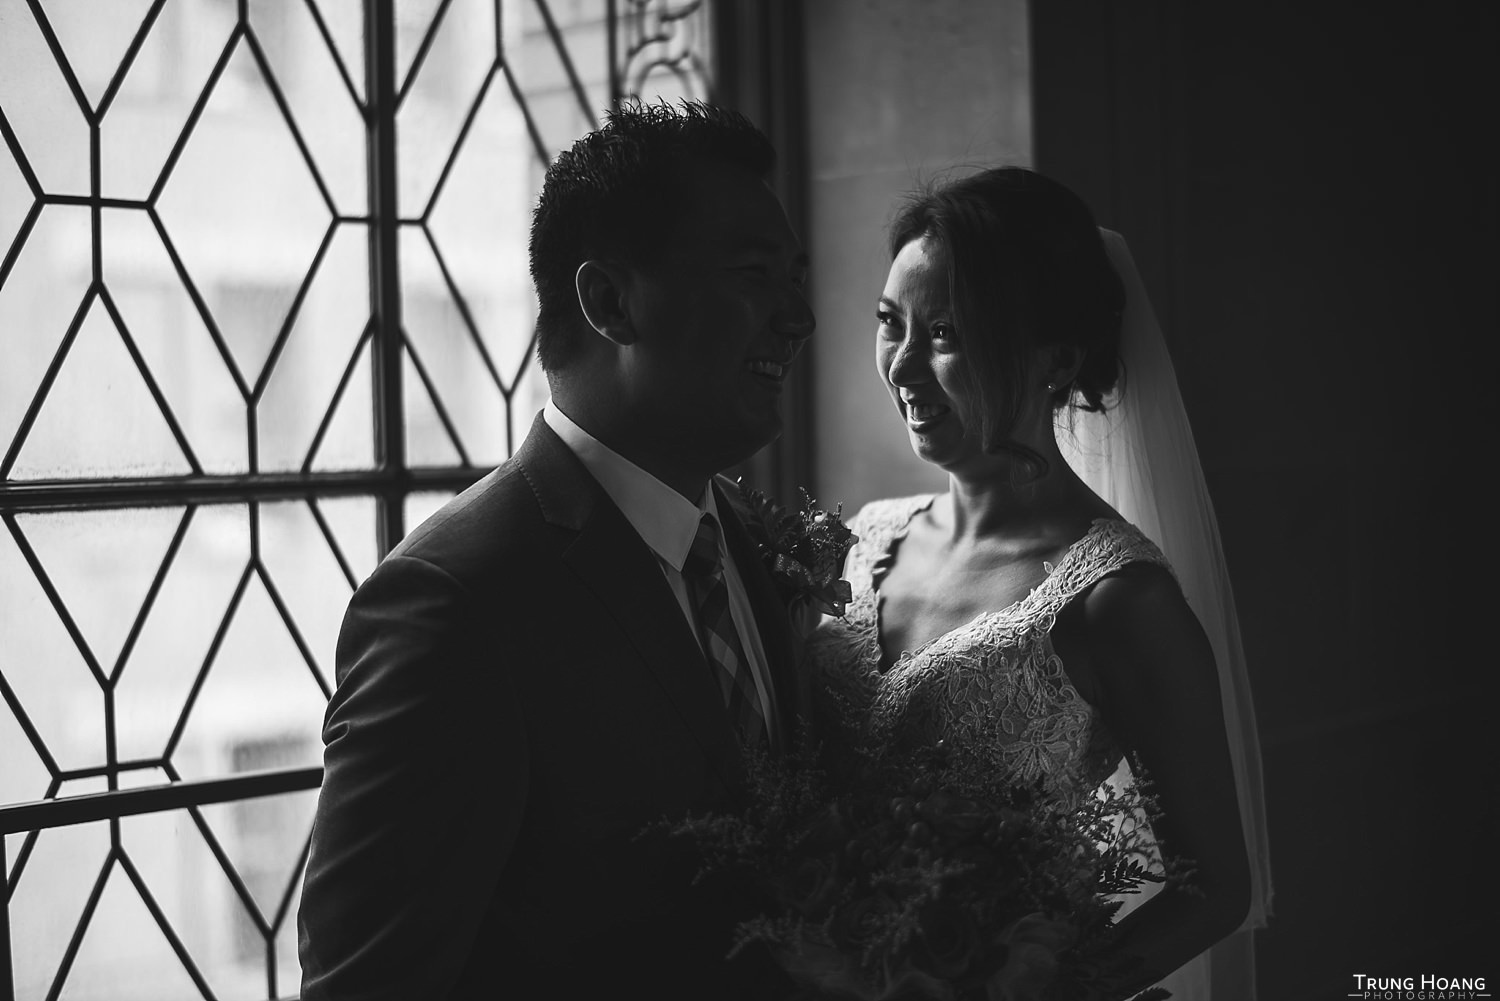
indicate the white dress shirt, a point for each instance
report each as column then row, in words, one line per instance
column 668, row 523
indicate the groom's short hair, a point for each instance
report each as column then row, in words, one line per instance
column 615, row 194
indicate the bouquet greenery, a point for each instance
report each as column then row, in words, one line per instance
column 908, row 879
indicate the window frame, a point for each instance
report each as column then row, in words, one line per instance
column 755, row 46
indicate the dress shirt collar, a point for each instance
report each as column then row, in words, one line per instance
column 665, row 520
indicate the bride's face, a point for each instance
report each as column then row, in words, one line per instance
column 919, row 353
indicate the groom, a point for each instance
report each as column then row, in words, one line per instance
column 581, row 642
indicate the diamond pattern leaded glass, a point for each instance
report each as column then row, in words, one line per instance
column 215, row 415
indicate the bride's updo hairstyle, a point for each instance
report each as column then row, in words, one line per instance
column 1027, row 270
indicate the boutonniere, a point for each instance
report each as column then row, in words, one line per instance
column 803, row 549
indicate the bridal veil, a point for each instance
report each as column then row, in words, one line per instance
column 1139, row 455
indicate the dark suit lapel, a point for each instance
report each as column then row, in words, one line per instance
column 619, row 569
column 623, row 574
column 793, row 694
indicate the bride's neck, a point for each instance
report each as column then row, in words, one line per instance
column 1013, row 495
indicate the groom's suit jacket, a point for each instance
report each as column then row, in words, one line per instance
column 519, row 697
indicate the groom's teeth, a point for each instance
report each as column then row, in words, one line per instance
column 770, row 368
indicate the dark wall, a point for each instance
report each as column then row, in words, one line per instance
column 1308, row 188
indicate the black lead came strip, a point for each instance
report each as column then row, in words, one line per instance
column 72, row 810
column 24, row 496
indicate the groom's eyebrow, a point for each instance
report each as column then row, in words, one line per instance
column 763, row 245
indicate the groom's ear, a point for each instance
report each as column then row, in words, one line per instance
column 601, row 295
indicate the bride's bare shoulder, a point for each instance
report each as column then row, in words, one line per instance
column 1139, row 623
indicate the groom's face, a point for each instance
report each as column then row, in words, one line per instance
column 720, row 314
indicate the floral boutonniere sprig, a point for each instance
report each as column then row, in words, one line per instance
column 803, row 549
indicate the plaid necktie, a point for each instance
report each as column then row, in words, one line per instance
column 704, row 572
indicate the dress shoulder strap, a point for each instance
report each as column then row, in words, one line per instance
column 877, row 524
column 1106, row 547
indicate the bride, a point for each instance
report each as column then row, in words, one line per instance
column 1020, row 617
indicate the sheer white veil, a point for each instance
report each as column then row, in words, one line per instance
column 1140, row 457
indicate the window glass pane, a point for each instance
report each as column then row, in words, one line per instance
column 100, row 415
column 458, row 66
column 530, row 396
column 478, row 229
column 156, row 370
column 236, row 645
column 348, row 438
column 470, row 174
column 50, row 896
column 666, row 50
column 41, row 109
column 351, row 522
column 421, row 506
column 56, row 693
column 414, row 20
column 158, row 92
column 346, row 27
column 25, row 776
column 322, row 355
column 263, row 840
column 261, row 675
column 431, row 439
column 566, row 87
column 39, row 301
column 178, row 638
column 102, row 565
column 303, row 566
column 457, row 373
column 319, row 96
column 16, row 198
column 94, row 36
column 173, row 858
column 242, row 172
column 176, row 345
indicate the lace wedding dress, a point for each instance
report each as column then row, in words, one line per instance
column 993, row 689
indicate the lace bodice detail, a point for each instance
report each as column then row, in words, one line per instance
column 992, row 689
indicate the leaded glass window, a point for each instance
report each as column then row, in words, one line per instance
column 264, row 304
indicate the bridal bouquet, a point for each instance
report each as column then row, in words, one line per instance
column 890, row 884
